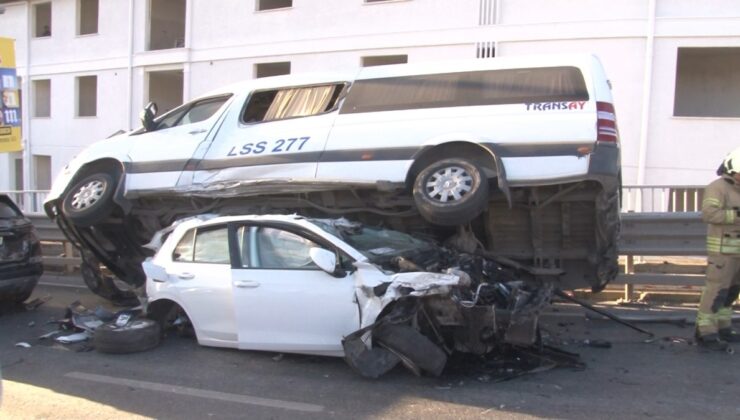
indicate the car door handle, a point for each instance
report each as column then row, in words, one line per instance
column 198, row 131
column 186, row 276
column 246, row 283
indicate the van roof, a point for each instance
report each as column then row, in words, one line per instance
column 582, row 61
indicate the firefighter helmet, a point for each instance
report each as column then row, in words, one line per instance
column 732, row 162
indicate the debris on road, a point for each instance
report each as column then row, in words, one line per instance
column 35, row 303
column 23, row 344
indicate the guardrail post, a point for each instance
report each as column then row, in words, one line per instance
column 69, row 252
column 629, row 268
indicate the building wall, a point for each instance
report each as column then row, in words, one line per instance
column 224, row 40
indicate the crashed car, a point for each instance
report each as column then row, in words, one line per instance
column 523, row 149
column 20, row 253
column 332, row 287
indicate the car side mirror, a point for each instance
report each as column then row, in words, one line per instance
column 327, row 261
column 147, row 116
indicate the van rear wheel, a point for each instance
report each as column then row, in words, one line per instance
column 451, row 192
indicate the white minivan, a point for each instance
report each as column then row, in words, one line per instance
column 524, row 149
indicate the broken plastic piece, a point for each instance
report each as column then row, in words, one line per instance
column 23, row 344
column 73, row 338
column 34, row 304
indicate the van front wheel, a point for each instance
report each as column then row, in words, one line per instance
column 90, row 200
column 450, row 192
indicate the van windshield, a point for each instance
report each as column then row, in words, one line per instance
column 489, row 87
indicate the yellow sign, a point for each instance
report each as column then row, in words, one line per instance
column 10, row 106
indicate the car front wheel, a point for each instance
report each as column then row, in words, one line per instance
column 451, row 192
column 90, row 200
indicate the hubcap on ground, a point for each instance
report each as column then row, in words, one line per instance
column 88, row 195
column 449, row 184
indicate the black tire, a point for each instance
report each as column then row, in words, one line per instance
column 608, row 228
column 451, row 192
column 172, row 318
column 414, row 349
column 90, row 200
column 141, row 334
column 105, row 286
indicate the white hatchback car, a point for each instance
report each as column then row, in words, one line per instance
column 292, row 284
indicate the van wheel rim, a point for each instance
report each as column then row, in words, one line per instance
column 449, row 185
column 88, row 195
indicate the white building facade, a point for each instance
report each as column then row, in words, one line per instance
column 88, row 66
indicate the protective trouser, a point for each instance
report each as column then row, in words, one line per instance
column 721, row 290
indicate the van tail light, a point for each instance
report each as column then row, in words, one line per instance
column 606, row 123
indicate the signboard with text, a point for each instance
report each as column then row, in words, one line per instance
column 10, row 106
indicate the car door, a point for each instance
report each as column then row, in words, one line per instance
column 159, row 156
column 283, row 301
column 279, row 135
column 200, row 276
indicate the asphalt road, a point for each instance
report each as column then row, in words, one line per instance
column 181, row 380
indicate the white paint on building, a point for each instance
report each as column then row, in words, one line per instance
column 225, row 39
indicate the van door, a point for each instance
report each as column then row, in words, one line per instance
column 159, row 156
column 279, row 135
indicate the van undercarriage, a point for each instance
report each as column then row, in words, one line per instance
column 565, row 231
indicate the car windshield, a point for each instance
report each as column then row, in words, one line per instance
column 374, row 243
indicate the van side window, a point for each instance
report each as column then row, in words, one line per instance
column 490, row 87
column 279, row 104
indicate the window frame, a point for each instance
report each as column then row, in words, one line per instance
column 185, row 108
column 340, row 97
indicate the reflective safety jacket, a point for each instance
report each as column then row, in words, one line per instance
column 721, row 210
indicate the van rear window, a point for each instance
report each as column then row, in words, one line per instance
column 489, row 87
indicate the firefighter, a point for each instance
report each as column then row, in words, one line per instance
column 721, row 211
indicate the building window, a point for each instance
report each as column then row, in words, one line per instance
column 273, row 4
column 42, row 171
column 87, row 18
column 87, row 96
column 41, row 98
column 384, row 60
column 271, row 69
column 166, row 24
column 42, row 20
column 165, row 89
column 707, row 83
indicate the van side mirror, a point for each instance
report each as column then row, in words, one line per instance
column 327, row 261
column 147, row 116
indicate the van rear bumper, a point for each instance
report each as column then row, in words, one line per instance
column 601, row 164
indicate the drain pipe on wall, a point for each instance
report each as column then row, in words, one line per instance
column 130, row 84
column 27, row 153
column 646, row 94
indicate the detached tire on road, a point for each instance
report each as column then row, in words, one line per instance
column 141, row 334
column 414, row 349
column 451, row 192
column 90, row 200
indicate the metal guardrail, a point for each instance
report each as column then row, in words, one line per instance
column 48, row 231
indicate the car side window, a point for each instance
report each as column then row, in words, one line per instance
column 277, row 248
column 283, row 103
column 184, row 249
column 204, row 245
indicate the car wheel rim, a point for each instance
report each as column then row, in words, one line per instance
column 449, row 185
column 87, row 195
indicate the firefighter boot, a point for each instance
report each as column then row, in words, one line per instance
column 711, row 342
